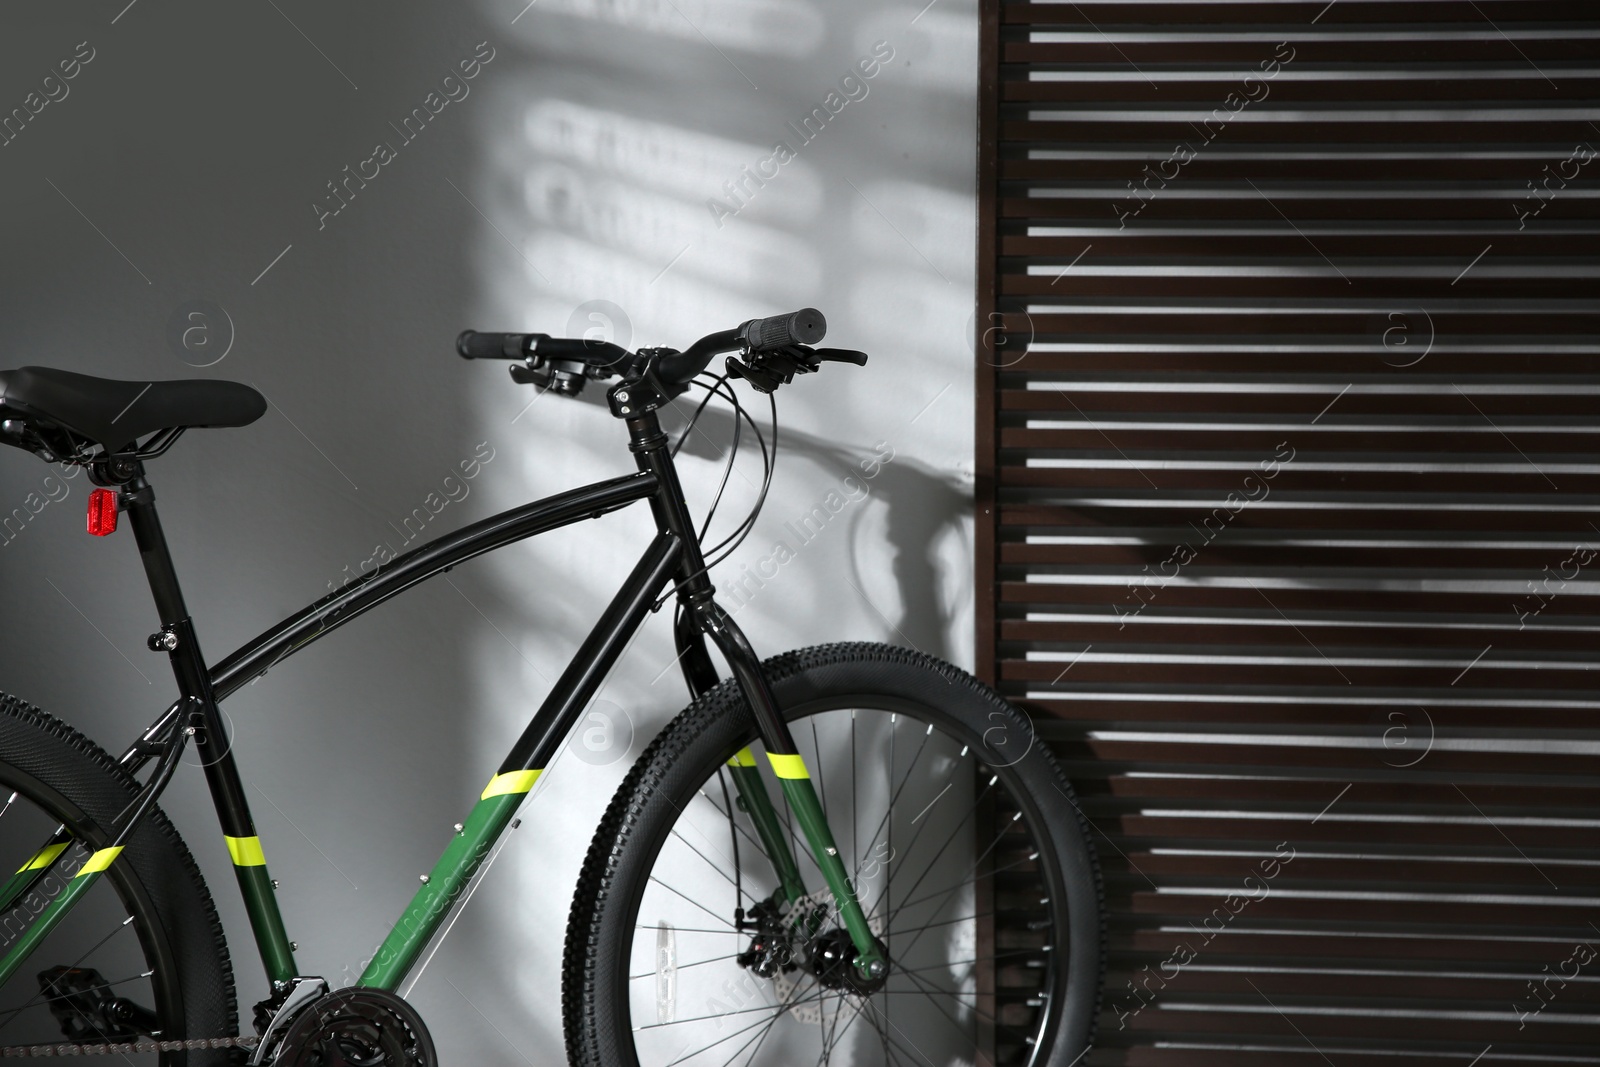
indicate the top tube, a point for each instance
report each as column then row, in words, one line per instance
column 362, row 594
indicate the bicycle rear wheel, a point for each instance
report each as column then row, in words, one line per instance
column 142, row 953
column 967, row 851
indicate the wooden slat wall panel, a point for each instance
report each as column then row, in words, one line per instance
column 1289, row 509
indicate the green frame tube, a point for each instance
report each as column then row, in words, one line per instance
column 449, row 878
column 57, row 910
column 39, row 864
column 261, row 905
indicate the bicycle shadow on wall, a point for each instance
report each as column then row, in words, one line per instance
column 922, row 507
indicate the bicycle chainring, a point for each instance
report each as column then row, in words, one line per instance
column 357, row 1028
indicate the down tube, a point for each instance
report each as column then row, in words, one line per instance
column 444, row 885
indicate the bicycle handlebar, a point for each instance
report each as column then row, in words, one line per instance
column 470, row 344
column 754, row 337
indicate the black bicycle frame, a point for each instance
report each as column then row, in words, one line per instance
column 673, row 556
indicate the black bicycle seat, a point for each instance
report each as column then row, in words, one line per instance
column 115, row 413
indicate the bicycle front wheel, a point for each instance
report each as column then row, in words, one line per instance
column 966, row 849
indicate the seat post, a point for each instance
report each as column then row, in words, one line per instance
column 139, row 500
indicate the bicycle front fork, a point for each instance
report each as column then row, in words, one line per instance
column 703, row 616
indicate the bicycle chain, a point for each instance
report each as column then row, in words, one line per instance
column 124, row 1048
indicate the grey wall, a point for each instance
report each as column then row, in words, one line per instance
column 188, row 155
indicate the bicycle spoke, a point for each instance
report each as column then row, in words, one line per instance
column 693, row 901
column 925, row 989
column 841, row 1034
column 918, row 835
column 725, row 876
column 919, row 1054
column 88, row 989
column 971, row 870
column 883, row 1038
column 975, row 959
column 785, row 1006
column 756, row 1039
column 940, row 1008
column 940, row 892
column 95, row 947
column 760, row 848
column 683, row 929
column 976, row 803
column 684, row 966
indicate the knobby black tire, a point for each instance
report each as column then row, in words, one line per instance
column 594, row 974
column 77, row 782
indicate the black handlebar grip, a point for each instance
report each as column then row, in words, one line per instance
column 474, row 345
column 803, row 327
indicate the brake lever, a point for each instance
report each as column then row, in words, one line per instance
column 562, row 377
column 765, row 371
column 841, row 355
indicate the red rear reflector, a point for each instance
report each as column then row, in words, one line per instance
column 102, row 512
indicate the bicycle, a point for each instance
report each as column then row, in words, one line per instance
column 712, row 924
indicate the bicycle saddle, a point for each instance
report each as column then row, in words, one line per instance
column 114, row 414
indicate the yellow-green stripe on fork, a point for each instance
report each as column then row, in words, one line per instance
column 788, row 766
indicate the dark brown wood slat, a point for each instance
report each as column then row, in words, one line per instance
column 1182, row 202
column 1538, row 475
column 1361, row 356
column 1491, row 517
column 1540, row 239
column 1501, row 630
column 1146, row 1056
column 1213, row 91
column 1552, row 399
column 1077, row 712
column 1203, row 755
column 1505, row 331
column 1250, row 444
column 1530, row 912
column 1118, row 591
column 1312, row 279
column 1295, row 13
column 1426, row 554
column 1385, row 948
column 1249, row 54
column 1481, row 992
column 1513, row 875
column 1120, row 162
column 1383, row 1031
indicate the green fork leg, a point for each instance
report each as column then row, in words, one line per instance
column 802, row 798
column 758, row 805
